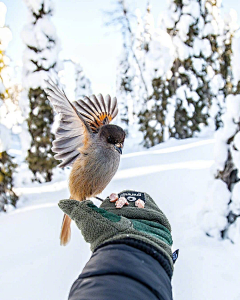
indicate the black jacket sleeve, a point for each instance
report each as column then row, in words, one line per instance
column 122, row 272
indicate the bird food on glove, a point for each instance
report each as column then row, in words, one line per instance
column 121, row 202
column 140, row 203
column 113, row 197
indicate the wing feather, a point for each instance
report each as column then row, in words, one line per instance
column 96, row 103
column 64, row 142
column 70, row 154
column 86, row 109
column 97, row 111
column 63, row 150
column 68, row 162
column 73, row 131
column 101, row 101
column 108, row 104
column 114, row 109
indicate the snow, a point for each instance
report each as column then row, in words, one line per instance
column 220, row 152
column 235, row 205
column 216, row 83
column 35, row 5
column 161, row 54
column 222, row 202
column 4, row 138
column 236, row 58
column 3, row 11
column 183, row 26
column 25, row 139
column 192, row 8
column 235, row 156
column 237, row 141
column 233, row 106
column 176, row 174
column 168, row 20
column 83, row 84
column 5, row 37
column 233, row 231
column 231, row 19
column 182, row 49
column 39, row 34
column 148, row 22
column 206, row 48
column 197, row 44
column 219, row 197
column 5, row 32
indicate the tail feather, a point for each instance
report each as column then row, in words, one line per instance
column 65, row 235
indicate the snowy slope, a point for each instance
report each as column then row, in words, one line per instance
column 176, row 174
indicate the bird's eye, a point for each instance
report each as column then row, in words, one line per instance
column 110, row 140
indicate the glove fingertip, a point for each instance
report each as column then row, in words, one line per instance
column 68, row 205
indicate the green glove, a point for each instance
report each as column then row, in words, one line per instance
column 108, row 223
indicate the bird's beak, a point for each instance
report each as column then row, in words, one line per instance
column 118, row 147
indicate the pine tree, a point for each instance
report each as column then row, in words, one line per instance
column 7, row 167
column 124, row 90
column 222, row 212
column 213, row 81
column 142, row 38
column 132, row 90
column 148, row 27
column 5, row 38
column 83, row 84
column 183, row 95
column 132, row 81
column 153, row 119
column 39, row 62
column 186, row 81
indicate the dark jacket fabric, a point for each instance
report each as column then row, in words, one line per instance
column 122, row 272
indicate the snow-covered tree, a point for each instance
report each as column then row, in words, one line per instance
column 5, row 38
column 124, row 91
column 184, row 95
column 83, row 84
column 159, row 61
column 213, row 33
column 222, row 211
column 132, row 90
column 7, row 167
column 148, row 27
column 40, row 60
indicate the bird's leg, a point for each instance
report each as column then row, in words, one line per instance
column 98, row 199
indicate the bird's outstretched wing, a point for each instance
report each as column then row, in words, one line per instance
column 96, row 111
column 73, row 131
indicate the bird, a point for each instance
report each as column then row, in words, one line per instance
column 86, row 141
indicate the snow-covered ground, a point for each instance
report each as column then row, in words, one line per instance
column 176, row 174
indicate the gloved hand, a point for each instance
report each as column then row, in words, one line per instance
column 109, row 224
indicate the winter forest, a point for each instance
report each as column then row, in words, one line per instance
column 175, row 70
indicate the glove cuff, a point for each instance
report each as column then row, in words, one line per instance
column 157, row 243
column 147, row 248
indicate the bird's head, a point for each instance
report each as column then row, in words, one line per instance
column 113, row 136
